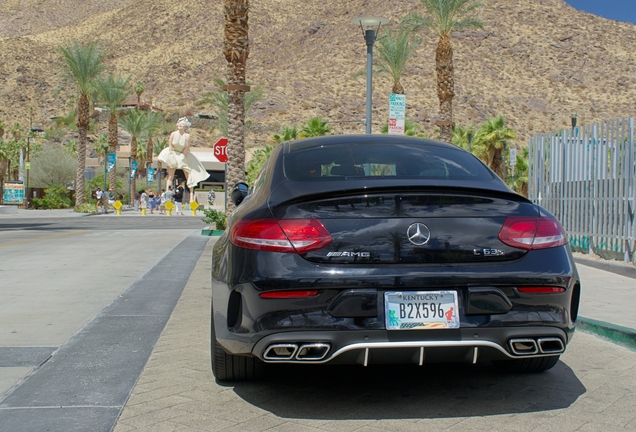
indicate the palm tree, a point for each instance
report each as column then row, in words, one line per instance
column 393, row 50
column 257, row 162
column 236, row 50
column 460, row 136
column 287, row 133
column 133, row 122
column 314, row 127
column 83, row 64
column 218, row 99
column 139, row 88
column 491, row 138
column 152, row 125
column 112, row 90
column 520, row 183
column 156, row 149
column 446, row 16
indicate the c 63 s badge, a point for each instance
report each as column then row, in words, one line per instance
column 488, row 252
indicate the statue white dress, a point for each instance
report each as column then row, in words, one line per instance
column 178, row 156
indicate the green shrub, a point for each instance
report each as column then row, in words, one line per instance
column 215, row 217
column 86, row 208
column 56, row 197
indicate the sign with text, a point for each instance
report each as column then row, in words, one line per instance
column 151, row 175
column 220, row 150
column 397, row 113
column 134, row 169
column 13, row 192
column 513, row 156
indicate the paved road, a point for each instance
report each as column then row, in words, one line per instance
column 82, row 302
column 78, row 388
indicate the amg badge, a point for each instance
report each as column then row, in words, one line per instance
column 349, row 254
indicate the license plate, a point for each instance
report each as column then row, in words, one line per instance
column 421, row 310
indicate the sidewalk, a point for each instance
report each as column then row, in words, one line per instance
column 608, row 300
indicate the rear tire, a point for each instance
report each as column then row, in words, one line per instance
column 527, row 365
column 228, row 367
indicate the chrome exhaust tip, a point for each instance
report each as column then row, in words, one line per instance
column 313, row 351
column 551, row 345
column 280, row 352
column 523, row 347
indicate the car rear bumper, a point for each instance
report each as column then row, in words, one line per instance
column 403, row 347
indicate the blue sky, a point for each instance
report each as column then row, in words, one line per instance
column 622, row 10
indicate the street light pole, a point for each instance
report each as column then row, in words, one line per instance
column 28, row 156
column 370, row 36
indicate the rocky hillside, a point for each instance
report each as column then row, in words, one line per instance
column 535, row 61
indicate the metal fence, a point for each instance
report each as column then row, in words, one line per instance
column 585, row 176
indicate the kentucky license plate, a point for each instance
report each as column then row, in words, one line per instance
column 421, row 310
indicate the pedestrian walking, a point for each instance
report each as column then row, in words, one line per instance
column 151, row 201
column 162, row 202
column 105, row 201
column 178, row 197
column 143, row 200
column 98, row 196
column 136, row 201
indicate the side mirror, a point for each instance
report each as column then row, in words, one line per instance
column 239, row 192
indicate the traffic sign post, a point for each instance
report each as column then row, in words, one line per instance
column 220, row 152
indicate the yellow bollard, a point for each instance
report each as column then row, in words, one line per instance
column 143, row 212
column 194, row 206
column 117, row 206
column 169, row 207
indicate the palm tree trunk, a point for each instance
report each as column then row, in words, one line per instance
column 495, row 160
column 112, row 148
column 236, row 51
column 445, row 86
column 83, row 119
column 397, row 88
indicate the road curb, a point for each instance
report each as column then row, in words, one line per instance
column 621, row 269
column 620, row 335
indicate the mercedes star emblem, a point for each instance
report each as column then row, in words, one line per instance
column 418, row 234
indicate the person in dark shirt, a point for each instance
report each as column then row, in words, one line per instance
column 178, row 197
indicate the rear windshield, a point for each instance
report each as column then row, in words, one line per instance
column 324, row 163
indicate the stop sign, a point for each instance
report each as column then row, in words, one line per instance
column 220, row 150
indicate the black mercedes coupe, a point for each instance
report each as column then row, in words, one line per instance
column 376, row 249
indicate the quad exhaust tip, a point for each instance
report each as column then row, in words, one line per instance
column 297, row 351
column 527, row 346
column 523, row 347
column 552, row 345
column 280, row 352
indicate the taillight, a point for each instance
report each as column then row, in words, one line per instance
column 288, row 235
column 532, row 233
column 540, row 290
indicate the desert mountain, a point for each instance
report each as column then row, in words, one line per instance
column 535, row 61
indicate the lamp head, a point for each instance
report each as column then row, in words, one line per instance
column 369, row 21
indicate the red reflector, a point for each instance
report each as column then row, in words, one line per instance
column 541, row 290
column 288, row 235
column 531, row 233
column 288, row 294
